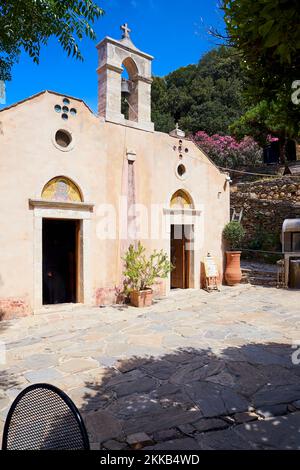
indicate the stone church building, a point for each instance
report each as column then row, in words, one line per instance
column 77, row 188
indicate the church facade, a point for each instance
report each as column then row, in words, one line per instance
column 77, row 188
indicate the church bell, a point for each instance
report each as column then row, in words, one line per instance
column 125, row 87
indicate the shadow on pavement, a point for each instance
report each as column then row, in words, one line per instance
column 243, row 398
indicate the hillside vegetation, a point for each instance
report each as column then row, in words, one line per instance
column 206, row 96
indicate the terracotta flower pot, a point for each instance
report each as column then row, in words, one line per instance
column 142, row 298
column 233, row 273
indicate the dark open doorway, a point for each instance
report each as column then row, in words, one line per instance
column 181, row 256
column 60, row 261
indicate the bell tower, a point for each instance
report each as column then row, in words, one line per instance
column 114, row 57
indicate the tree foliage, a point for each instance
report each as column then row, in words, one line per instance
column 28, row 24
column 269, row 25
column 267, row 35
column 206, row 96
column 226, row 151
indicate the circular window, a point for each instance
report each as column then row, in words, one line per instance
column 57, row 108
column 181, row 170
column 65, row 117
column 73, row 111
column 63, row 138
column 66, row 101
column 65, row 109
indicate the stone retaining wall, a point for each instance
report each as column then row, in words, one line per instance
column 266, row 204
column 279, row 189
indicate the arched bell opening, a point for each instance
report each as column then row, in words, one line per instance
column 129, row 90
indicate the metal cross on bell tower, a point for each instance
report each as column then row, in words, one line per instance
column 126, row 30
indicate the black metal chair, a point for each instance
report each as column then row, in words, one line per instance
column 43, row 417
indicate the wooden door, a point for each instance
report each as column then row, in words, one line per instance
column 178, row 260
column 187, row 265
column 79, row 293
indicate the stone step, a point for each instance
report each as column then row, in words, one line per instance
column 259, row 272
column 259, row 275
column 262, row 282
column 258, row 280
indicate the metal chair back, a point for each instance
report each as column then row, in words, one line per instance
column 44, row 417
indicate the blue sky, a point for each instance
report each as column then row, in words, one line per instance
column 174, row 31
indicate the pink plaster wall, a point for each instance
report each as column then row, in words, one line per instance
column 28, row 159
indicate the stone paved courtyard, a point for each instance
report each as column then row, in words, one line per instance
column 195, row 371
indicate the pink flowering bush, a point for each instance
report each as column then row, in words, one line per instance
column 226, row 151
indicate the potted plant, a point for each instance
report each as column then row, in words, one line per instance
column 142, row 271
column 233, row 234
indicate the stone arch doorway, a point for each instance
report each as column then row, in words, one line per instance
column 61, row 225
column 61, row 246
column 181, row 240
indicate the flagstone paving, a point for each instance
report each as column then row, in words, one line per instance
column 194, row 371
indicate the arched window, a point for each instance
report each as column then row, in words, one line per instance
column 62, row 189
column 129, row 101
column 181, row 200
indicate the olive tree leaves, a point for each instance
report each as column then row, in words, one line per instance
column 28, row 24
